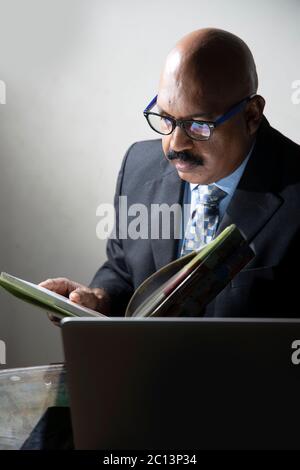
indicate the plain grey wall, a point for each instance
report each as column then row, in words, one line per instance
column 71, row 67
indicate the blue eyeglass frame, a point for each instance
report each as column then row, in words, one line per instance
column 211, row 124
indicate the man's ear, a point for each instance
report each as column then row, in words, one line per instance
column 254, row 113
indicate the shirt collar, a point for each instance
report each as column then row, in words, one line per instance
column 230, row 182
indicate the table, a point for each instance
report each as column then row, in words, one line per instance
column 25, row 394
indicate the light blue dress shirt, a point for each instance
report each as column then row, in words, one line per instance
column 227, row 184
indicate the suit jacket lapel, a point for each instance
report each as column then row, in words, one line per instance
column 250, row 211
column 255, row 200
column 167, row 189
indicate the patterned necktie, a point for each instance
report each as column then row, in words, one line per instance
column 204, row 220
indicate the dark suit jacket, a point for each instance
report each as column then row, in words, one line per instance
column 265, row 206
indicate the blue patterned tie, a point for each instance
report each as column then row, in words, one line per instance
column 204, row 220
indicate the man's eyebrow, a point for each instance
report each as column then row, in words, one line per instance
column 192, row 116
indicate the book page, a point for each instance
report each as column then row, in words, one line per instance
column 46, row 297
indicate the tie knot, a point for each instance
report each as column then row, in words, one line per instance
column 210, row 195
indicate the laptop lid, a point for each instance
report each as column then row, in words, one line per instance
column 183, row 383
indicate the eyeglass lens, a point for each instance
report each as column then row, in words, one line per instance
column 164, row 125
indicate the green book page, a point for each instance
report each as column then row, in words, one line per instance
column 44, row 298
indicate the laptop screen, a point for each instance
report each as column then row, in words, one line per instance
column 183, row 383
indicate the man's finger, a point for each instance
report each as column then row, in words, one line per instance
column 60, row 285
column 85, row 297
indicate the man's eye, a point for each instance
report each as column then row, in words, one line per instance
column 199, row 129
column 165, row 118
column 165, row 121
column 197, row 125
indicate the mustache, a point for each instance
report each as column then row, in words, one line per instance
column 185, row 157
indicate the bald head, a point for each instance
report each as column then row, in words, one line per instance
column 216, row 63
column 206, row 74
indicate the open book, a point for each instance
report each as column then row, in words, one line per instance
column 182, row 287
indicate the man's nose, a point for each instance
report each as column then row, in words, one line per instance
column 180, row 141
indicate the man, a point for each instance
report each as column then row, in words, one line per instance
column 214, row 138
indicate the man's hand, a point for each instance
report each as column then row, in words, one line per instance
column 96, row 299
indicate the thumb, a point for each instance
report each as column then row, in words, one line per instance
column 84, row 296
column 75, row 295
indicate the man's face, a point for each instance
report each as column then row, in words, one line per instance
column 208, row 161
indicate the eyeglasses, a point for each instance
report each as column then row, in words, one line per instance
column 196, row 130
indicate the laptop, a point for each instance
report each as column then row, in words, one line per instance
column 183, row 383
